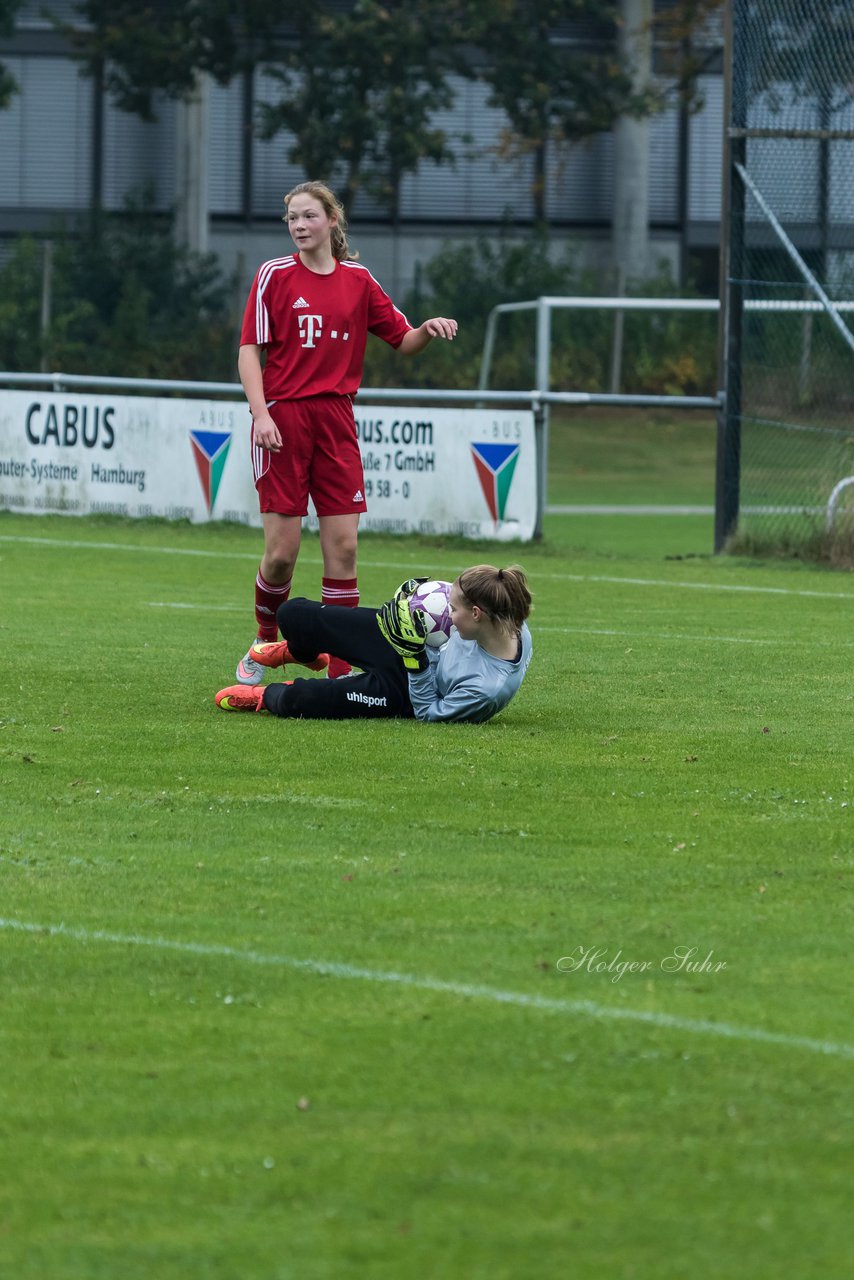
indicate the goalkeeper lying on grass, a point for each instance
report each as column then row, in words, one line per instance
column 471, row 677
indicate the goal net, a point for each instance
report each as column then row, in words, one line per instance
column 787, row 429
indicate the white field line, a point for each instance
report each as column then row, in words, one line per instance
column 698, row 586
column 406, row 566
column 461, row 990
column 681, row 636
column 82, row 544
column 208, row 608
column 656, row 509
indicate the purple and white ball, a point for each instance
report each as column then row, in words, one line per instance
column 431, row 601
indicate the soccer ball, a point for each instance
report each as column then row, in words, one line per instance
column 431, row 601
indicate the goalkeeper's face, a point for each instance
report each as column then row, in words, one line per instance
column 465, row 617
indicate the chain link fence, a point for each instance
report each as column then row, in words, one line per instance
column 789, row 276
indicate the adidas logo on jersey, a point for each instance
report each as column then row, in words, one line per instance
column 300, row 302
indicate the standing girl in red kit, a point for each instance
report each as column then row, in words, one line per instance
column 310, row 314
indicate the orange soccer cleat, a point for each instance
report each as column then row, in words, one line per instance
column 241, row 697
column 275, row 653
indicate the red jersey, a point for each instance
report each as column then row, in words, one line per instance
column 315, row 327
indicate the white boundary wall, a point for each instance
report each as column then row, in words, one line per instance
column 464, row 471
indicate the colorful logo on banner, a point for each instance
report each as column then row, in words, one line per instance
column 495, row 464
column 210, row 449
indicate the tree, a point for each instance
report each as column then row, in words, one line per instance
column 553, row 88
column 361, row 82
column 680, row 59
column 359, row 90
column 8, row 86
column 630, row 218
column 140, row 49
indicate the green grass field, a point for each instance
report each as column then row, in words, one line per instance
column 306, row 1001
column 639, row 456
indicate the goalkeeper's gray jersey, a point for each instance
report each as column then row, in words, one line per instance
column 464, row 682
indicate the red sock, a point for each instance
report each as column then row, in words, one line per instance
column 343, row 591
column 267, row 600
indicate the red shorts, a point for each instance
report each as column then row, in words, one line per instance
column 319, row 458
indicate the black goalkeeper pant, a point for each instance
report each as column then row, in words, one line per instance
column 382, row 688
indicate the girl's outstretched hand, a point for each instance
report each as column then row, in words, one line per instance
column 441, row 327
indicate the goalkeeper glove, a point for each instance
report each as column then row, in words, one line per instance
column 404, row 631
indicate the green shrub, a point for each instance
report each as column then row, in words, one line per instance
column 664, row 353
column 126, row 300
column 20, row 294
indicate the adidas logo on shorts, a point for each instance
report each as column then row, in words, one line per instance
column 358, row 496
column 300, row 302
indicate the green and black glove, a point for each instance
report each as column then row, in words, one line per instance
column 404, row 631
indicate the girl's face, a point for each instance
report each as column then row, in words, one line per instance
column 465, row 617
column 309, row 224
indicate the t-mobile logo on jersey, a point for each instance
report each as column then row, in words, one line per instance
column 310, row 327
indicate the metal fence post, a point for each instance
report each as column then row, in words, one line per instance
column 541, row 445
column 728, row 467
